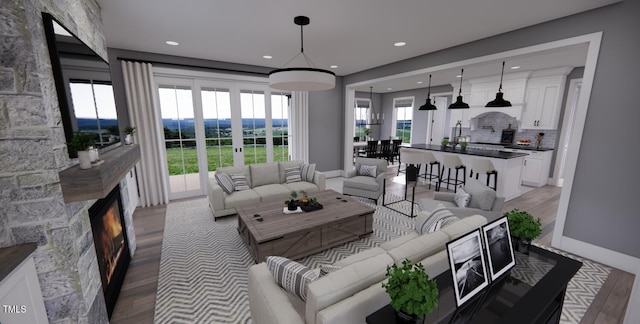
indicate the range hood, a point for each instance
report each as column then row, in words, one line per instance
column 476, row 113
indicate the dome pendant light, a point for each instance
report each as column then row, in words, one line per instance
column 459, row 104
column 428, row 105
column 499, row 101
column 302, row 78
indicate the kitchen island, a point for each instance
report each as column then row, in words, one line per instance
column 508, row 165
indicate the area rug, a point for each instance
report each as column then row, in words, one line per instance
column 204, row 264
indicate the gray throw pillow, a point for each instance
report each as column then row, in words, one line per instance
column 462, row 198
column 292, row 175
column 307, row 171
column 240, row 182
column 224, row 180
column 481, row 196
column 439, row 218
column 367, row 170
column 291, row 275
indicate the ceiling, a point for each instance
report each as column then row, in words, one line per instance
column 355, row 35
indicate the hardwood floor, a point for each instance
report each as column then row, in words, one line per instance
column 138, row 295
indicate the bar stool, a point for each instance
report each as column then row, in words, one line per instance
column 452, row 162
column 485, row 166
column 430, row 160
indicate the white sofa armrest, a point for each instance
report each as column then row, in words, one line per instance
column 444, row 196
column 319, row 178
column 268, row 303
column 352, row 173
column 216, row 194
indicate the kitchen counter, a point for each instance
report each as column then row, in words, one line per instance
column 508, row 164
column 468, row 151
column 509, row 146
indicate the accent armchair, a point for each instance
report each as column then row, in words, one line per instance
column 358, row 183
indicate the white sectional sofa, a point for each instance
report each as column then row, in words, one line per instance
column 351, row 293
column 266, row 181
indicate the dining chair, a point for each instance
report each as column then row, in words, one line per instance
column 385, row 150
column 372, row 149
column 395, row 149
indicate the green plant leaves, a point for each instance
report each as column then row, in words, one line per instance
column 410, row 289
column 523, row 225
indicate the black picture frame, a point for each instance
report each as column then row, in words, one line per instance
column 497, row 241
column 468, row 266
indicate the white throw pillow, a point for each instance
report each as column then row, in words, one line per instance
column 240, row 182
column 291, row 275
column 439, row 218
column 292, row 175
column 307, row 171
column 225, row 181
column 326, row 269
column 462, row 198
column 367, row 170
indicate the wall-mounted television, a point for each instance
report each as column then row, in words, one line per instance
column 83, row 85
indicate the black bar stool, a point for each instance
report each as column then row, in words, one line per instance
column 452, row 162
column 485, row 166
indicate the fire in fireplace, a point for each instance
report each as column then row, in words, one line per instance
column 110, row 241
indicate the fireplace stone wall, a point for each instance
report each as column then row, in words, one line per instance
column 33, row 151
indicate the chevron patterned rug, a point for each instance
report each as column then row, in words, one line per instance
column 204, row 264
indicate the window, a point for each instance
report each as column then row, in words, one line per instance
column 403, row 114
column 280, row 105
column 90, row 97
column 361, row 112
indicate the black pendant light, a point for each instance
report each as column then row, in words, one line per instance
column 499, row 101
column 428, row 105
column 459, row 104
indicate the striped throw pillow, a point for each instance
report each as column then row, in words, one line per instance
column 326, row 269
column 367, row 170
column 240, row 182
column 462, row 198
column 307, row 171
column 225, row 181
column 291, row 275
column 439, row 218
column 292, row 175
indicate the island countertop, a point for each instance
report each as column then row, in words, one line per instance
column 468, row 151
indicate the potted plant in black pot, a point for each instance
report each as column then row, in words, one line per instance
column 524, row 228
column 292, row 204
column 80, row 144
column 412, row 293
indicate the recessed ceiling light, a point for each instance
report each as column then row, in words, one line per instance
column 458, row 76
column 419, row 82
column 399, row 44
column 389, row 89
column 515, row 67
column 268, row 57
column 172, row 43
column 334, row 66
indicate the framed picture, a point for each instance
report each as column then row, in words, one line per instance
column 467, row 263
column 497, row 239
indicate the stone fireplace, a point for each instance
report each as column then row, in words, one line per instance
column 33, row 154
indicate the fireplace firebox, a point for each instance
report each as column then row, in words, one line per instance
column 110, row 241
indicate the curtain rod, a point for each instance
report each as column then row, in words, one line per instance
column 192, row 66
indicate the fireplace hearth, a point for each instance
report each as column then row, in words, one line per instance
column 111, row 244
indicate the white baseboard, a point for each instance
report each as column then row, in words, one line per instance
column 599, row 254
column 633, row 306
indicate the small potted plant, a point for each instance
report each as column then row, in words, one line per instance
column 412, row 293
column 444, row 143
column 524, row 228
column 80, row 143
column 129, row 130
column 463, row 145
column 367, row 132
column 113, row 132
column 292, row 204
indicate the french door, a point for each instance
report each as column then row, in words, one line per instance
column 210, row 124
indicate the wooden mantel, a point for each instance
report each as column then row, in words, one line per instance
column 98, row 181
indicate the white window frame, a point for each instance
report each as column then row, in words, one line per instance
column 394, row 124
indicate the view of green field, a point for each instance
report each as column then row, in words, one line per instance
column 217, row 157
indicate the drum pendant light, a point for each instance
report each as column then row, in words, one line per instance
column 428, row 105
column 499, row 101
column 307, row 78
column 459, row 104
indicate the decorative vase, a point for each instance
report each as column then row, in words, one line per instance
column 305, row 200
column 85, row 160
column 128, row 140
column 292, row 205
column 522, row 245
column 404, row 318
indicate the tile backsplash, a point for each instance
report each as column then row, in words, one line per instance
column 490, row 128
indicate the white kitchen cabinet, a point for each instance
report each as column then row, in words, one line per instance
column 20, row 295
column 535, row 168
column 543, row 102
column 459, row 115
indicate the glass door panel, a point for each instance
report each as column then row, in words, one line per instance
column 254, row 135
column 176, row 106
column 216, row 110
column 280, row 126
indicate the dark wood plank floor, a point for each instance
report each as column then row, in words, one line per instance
column 137, row 299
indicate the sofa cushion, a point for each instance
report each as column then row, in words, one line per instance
column 481, row 196
column 429, row 205
column 291, row 275
column 436, row 264
column 241, row 198
column 272, row 191
column 434, row 221
column 367, row 170
column 282, row 166
column 464, row 226
column 420, row 247
column 366, row 254
column 398, row 241
column 239, row 181
column 361, row 182
column 225, row 182
column 462, row 197
column 239, row 169
column 292, row 175
column 264, row 173
column 308, row 171
column 309, row 187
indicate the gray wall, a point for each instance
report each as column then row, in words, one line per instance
column 601, row 210
column 326, row 127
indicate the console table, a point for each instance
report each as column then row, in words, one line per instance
column 533, row 292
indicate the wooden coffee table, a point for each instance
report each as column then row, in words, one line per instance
column 298, row 235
